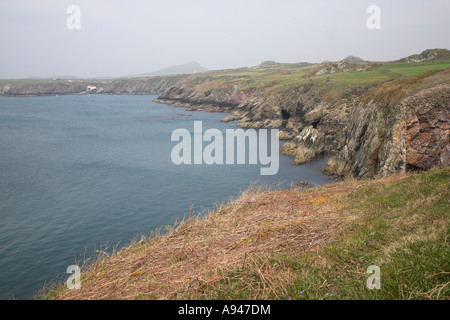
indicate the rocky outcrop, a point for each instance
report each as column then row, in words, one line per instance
column 411, row 134
column 427, row 130
column 371, row 143
column 308, row 115
column 427, row 55
column 308, row 149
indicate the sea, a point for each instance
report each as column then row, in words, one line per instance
column 86, row 173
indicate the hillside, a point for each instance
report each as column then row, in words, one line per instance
column 353, row 59
column 292, row 244
column 187, row 68
column 441, row 55
column 46, row 87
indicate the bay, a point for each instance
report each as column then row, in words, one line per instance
column 84, row 173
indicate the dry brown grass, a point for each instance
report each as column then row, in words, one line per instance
column 200, row 252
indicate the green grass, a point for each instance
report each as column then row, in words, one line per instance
column 402, row 227
column 285, row 76
column 29, row 81
column 280, row 77
column 413, row 68
column 368, row 77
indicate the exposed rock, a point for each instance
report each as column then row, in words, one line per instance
column 285, row 134
column 307, row 115
column 427, row 55
column 412, row 134
column 306, row 146
column 229, row 118
column 427, row 131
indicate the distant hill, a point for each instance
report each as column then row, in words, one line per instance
column 427, row 55
column 435, row 55
column 353, row 59
column 268, row 63
column 187, row 68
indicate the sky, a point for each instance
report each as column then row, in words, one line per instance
column 118, row 38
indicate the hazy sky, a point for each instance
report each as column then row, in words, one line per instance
column 136, row 36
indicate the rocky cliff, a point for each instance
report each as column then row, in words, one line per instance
column 372, row 128
column 310, row 113
column 401, row 126
column 150, row 85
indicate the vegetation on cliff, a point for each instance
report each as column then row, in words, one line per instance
column 292, row 244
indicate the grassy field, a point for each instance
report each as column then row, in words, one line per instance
column 278, row 77
column 294, row 76
column 28, row 81
column 293, row 245
column 415, row 68
column 372, row 76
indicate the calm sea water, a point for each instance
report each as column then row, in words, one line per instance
column 78, row 173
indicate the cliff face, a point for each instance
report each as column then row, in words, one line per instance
column 404, row 127
column 302, row 114
column 34, row 88
column 373, row 129
column 427, row 131
column 310, row 115
column 153, row 85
